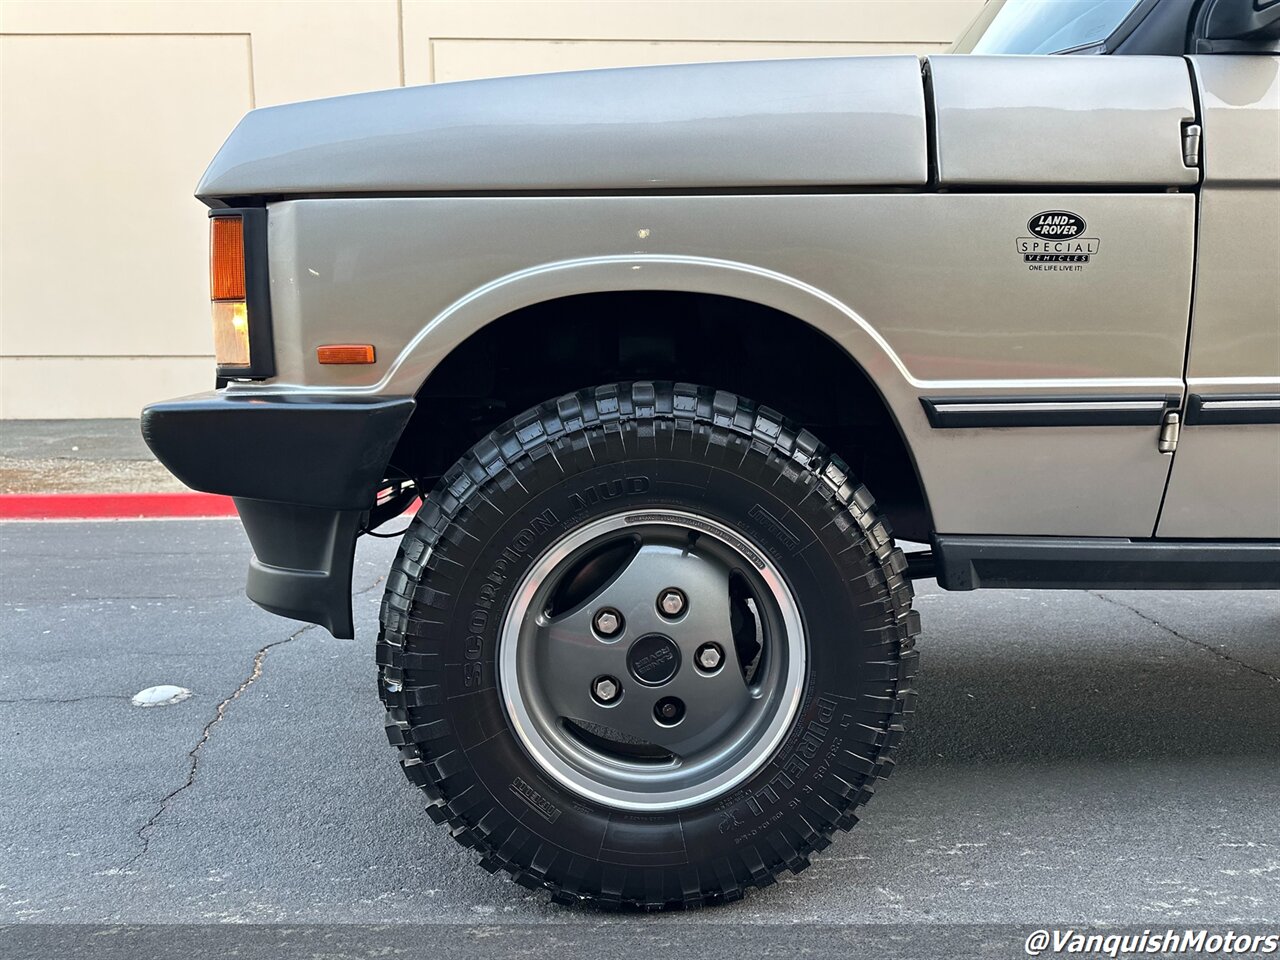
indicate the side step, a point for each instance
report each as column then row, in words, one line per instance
column 972, row 563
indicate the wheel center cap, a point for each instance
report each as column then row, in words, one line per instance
column 653, row 659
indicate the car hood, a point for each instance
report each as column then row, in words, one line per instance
column 857, row 121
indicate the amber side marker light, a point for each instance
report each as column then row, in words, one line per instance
column 345, row 353
column 227, row 291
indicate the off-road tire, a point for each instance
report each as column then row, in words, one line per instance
column 697, row 447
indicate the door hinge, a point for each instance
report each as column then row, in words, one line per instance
column 1191, row 144
column 1169, row 431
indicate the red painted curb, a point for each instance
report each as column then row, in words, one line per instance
column 118, row 506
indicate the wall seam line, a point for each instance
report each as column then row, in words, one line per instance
column 400, row 37
column 253, row 86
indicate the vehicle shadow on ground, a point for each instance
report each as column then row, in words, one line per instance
column 978, row 710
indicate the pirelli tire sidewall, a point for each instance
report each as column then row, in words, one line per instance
column 444, row 613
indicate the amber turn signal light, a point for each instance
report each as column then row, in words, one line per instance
column 226, row 258
column 345, row 353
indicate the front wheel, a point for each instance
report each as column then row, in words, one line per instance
column 649, row 645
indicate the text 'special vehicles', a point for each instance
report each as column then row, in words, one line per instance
column 673, row 354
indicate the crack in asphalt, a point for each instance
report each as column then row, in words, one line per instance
column 1208, row 648
column 143, row 833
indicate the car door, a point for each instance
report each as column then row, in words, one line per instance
column 1065, row 186
column 1225, row 481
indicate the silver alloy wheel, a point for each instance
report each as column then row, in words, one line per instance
column 634, row 751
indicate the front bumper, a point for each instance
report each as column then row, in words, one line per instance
column 303, row 471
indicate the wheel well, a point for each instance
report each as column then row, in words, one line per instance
column 558, row 346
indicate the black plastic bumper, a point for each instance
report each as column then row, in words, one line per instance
column 303, row 472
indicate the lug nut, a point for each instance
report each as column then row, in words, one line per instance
column 669, row 711
column 671, row 603
column 709, row 656
column 606, row 689
column 608, row 623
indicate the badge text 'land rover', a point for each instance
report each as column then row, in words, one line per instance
column 1056, row 225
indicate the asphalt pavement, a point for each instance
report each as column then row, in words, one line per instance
column 1095, row 759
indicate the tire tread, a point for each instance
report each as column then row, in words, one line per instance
column 703, row 418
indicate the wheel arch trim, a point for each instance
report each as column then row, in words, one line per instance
column 605, row 274
column 859, row 341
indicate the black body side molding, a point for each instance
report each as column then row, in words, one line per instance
column 974, row 562
column 303, row 472
column 1232, row 408
column 1048, row 411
